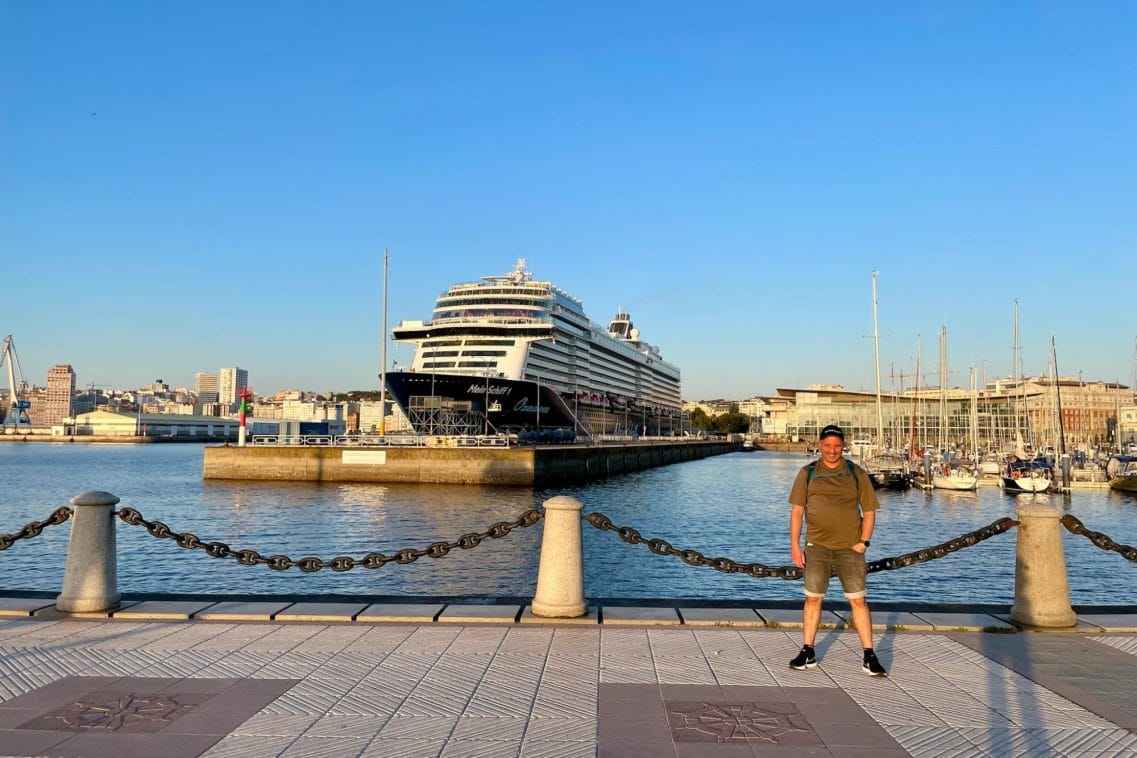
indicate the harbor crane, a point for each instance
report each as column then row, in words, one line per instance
column 16, row 412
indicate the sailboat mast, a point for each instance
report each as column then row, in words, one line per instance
column 974, row 416
column 383, row 357
column 876, row 353
column 915, row 399
column 943, row 437
column 1017, row 375
column 1057, row 397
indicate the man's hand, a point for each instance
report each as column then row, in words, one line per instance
column 859, row 547
column 797, row 556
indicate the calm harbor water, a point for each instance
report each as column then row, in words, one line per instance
column 732, row 505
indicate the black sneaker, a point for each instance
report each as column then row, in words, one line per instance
column 804, row 660
column 872, row 666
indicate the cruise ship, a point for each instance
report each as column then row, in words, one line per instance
column 508, row 354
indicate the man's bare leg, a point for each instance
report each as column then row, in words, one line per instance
column 862, row 620
column 811, row 619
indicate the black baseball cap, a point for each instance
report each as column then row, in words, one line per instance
column 830, row 430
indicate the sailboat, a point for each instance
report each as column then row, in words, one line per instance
column 886, row 470
column 955, row 474
column 1023, row 473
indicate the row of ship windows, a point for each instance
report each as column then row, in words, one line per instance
column 493, row 312
column 451, row 302
column 461, row 364
column 458, row 343
column 467, row 353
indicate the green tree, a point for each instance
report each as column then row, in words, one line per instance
column 732, row 423
column 700, row 420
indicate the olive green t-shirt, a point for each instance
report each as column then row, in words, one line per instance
column 832, row 517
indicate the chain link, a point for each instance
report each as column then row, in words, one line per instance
column 1101, row 540
column 309, row 564
column 760, row 570
column 939, row 551
column 58, row 516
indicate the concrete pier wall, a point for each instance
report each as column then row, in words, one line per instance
column 521, row 466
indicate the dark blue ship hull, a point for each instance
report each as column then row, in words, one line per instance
column 509, row 404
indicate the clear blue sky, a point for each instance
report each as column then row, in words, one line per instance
column 196, row 185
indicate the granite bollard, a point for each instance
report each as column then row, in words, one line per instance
column 1042, row 589
column 90, row 579
column 560, row 574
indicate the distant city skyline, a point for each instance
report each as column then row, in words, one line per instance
column 211, row 185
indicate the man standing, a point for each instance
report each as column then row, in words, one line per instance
column 836, row 500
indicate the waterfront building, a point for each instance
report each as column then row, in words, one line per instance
column 769, row 416
column 370, row 414
column 709, row 407
column 1006, row 410
column 205, row 387
column 230, row 383
column 1127, row 425
column 115, row 424
column 60, row 394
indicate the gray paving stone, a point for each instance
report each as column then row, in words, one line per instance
column 637, row 616
column 51, row 613
column 1111, row 622
column 479, row 614
column 785, row 618
column 418, row 613
column 892, row 620
column 321, row 612
column 235, row 611
column 162, row 610
column 16, row 607
column 965, row 622
column 590, row 618
column 736, row 617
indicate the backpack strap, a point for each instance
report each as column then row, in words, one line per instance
column 849, row 471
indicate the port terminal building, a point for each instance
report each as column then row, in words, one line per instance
column 1089, row 415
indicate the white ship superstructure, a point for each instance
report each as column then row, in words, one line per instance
column 510, row 328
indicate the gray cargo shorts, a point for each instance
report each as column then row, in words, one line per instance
column 820, row 563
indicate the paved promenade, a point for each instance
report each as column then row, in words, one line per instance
column 174, row 679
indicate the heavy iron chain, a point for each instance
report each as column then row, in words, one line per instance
column 1101, row 540
column 339, row 563
column 939, row 551
column 58, row 516
column 759, row 570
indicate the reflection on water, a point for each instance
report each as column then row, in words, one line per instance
column 732, row 505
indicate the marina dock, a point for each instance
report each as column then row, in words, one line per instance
column 520, row 465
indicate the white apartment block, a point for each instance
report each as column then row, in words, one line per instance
column 230, row 383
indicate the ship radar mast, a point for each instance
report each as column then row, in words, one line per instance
column 520, row 273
